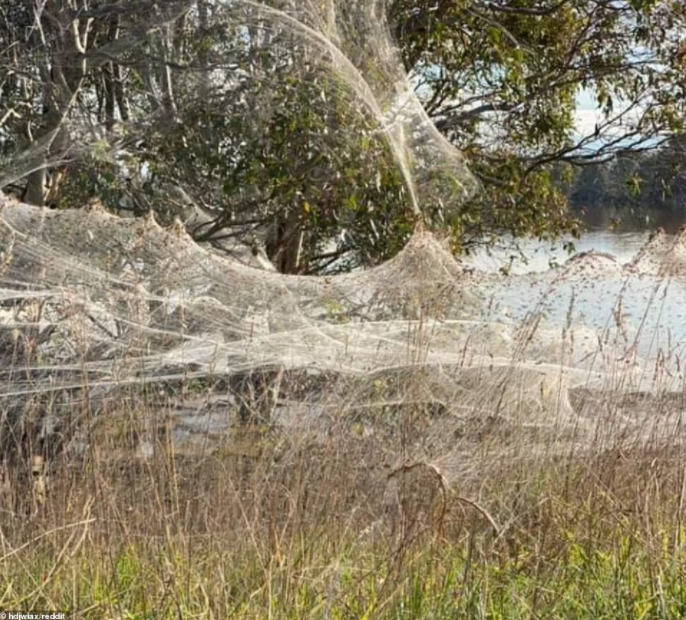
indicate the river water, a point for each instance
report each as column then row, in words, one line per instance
column 625, row 302
column 538, row 256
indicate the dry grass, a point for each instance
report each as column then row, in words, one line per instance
column 277, row 525
column 416, row 491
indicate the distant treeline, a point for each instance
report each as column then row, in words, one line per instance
column 632, row 185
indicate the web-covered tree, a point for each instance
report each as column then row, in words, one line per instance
column 61, row 73
column 250, row 121
column 502, row 79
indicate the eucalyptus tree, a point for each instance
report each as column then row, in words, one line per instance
column 198, row 109
column 278, row 152
column 62, row 84
column 502, row 79
column 249, row 121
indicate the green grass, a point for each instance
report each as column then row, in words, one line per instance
column 441, row 580
column 308, row 536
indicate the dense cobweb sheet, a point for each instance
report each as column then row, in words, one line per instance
column 99, row 314
column 113, row 288
column 91, row 303
column 116, row 288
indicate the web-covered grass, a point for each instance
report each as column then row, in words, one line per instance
column 185, row 435
column 99, row 310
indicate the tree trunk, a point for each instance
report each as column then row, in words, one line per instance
column 285, row 242
column 35, row 188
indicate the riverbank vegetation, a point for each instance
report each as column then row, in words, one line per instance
column 633, row 189
column 321, row 530
column 295, row 128
column 242, row 120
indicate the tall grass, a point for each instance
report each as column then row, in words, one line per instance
column 525, row 499
column 285, row 527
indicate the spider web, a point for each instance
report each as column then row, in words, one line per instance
column 97, row 311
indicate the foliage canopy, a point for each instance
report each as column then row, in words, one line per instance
column 236, row 118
